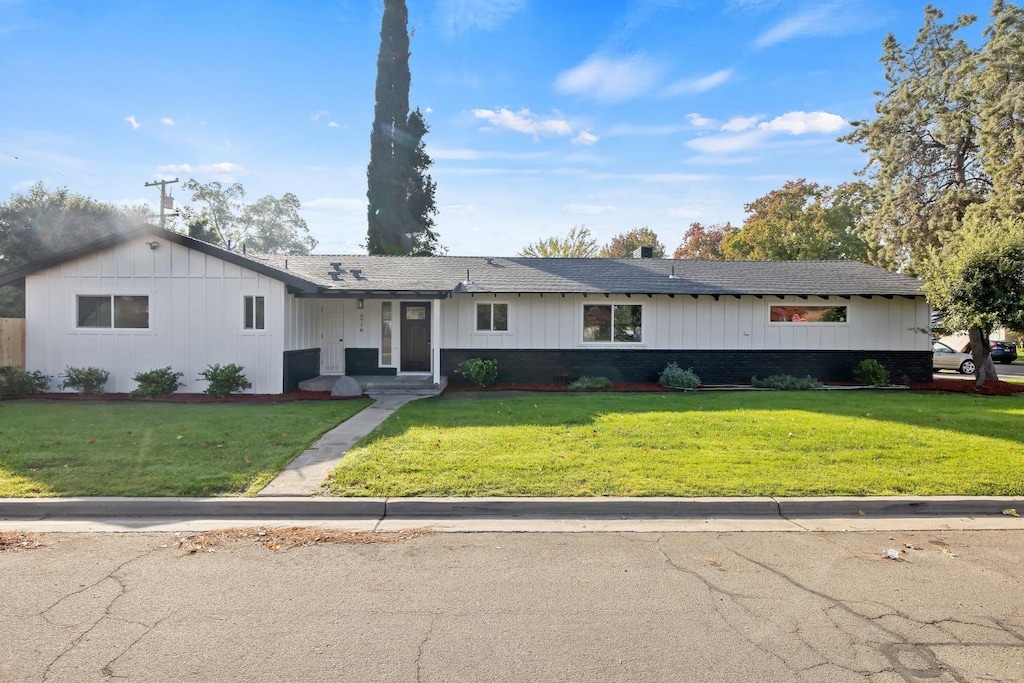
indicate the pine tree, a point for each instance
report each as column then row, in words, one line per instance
column 400, row 193
column 923, row 150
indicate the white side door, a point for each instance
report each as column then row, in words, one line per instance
column 332, row 345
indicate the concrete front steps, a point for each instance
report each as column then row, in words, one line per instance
column 381, row 385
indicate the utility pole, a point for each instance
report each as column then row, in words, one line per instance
column 166, row 200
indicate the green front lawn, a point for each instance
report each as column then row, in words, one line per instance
column 65, row 448
column 695, row 444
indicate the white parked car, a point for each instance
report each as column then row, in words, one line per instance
column 945, row 358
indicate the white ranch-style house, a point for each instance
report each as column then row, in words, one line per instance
column 151, row 298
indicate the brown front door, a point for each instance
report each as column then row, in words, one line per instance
column 416, row 337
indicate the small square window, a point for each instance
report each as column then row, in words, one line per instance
column 255, row 318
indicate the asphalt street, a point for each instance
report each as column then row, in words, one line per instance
column 814, row 606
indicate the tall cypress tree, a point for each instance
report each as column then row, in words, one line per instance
column 401, row 195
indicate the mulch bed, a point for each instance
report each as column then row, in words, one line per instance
column 993, row 387
column 962, row 386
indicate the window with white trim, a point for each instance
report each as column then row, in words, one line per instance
column 491, row 317
column 614, row 323
column 255, row 313
column 792, row 313
column 111, row 311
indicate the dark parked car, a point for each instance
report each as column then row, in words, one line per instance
column 1004, row 352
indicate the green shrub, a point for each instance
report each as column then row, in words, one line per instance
column 16, row 382
column 587, row 382
column 85, row 380
column 479, row 372
column 675, row 377
column 786, row 383
column 157, row 383
column 224, row 380
column 872, row 373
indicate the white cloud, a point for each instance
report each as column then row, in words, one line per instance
column 523, row 121
column 333, row 124
column 459, row 209
column 222, row 167
column 462, row 154
column 631, row 129
column 317, row 115
column 610, row 80
column 800, row 122
column 460, row 16
column 167, row 120
column 740, row 123
column 224, row 170
column 698, row 121
column 726, row 144
column 428, row 110
column 693, row 86
column 821, row 19
column 585, row 138
column 131, row 120
column 175, row 168
column 589, row 209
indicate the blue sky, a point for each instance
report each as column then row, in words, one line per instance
column 544, row 114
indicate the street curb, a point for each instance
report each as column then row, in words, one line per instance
column 295, row 507
column 192, row 508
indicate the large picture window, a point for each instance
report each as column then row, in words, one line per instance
column 613, row 323
column 113, row 312
column 255, row 313
column 491, row 317
column 808, row 314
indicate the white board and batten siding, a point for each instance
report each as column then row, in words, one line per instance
column 196, row 316
column 555, row 322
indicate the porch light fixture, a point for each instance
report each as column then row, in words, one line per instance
column 359, row 303
column 152, row 245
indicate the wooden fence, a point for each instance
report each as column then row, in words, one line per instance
column 12, row 342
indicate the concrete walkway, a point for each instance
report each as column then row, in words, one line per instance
column 304, row 475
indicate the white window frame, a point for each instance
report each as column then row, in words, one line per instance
column 393, row 349
column 246, row 299
column 113, row 313
column 612, row 341
column 491, row 305
column 801, row 304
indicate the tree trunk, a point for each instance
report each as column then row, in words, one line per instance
column 984, row 368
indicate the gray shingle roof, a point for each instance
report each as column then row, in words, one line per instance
column 381, row 274
column 442, row 275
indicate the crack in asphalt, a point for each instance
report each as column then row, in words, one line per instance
column 734, row 597
column 421, row 646
column 122, row 590
column 890, row 651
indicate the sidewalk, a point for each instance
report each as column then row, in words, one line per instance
column 304, row 475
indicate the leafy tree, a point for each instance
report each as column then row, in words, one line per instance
column 400, row 194
column 703, row 242
column 577, row 244
column 1000, row 90
column 44, row 222
column 624, row 245
column 923, row 147
column 977, row 281
column 270, row 226
column 801, row 221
